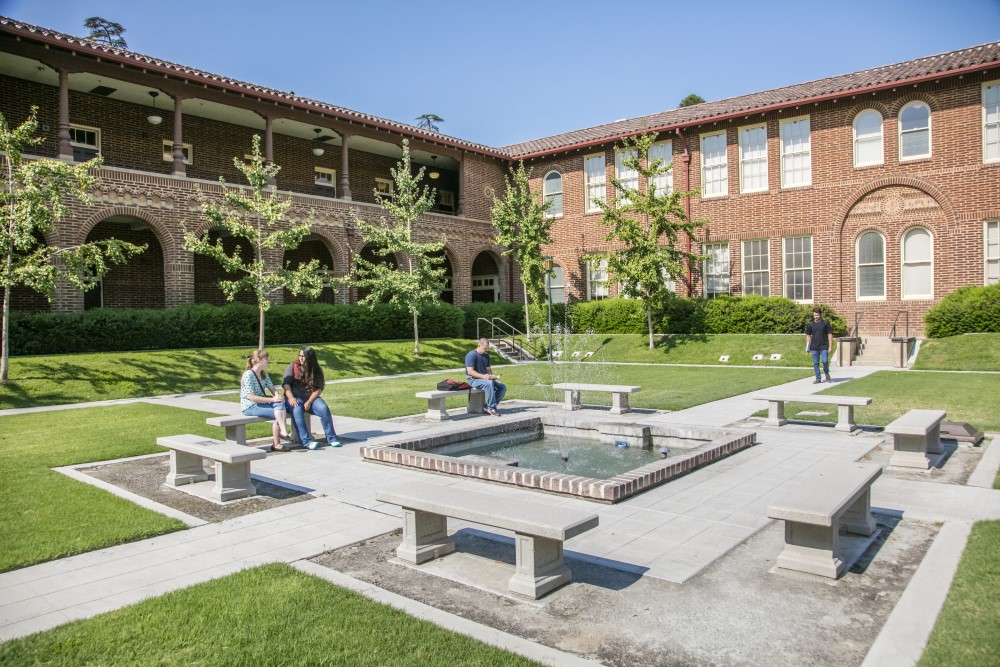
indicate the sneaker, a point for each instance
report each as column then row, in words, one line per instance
column 826, row 376
column 817, row 381
column 335, row 443
column 312, row 444
column 491, row 411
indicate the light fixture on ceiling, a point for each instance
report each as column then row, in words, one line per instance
column 154, row 118
column 318, row 150
column 434, row 173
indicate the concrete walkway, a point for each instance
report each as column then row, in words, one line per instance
column 671, row 532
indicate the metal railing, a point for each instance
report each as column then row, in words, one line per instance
column 895, row 323
column 508, row 333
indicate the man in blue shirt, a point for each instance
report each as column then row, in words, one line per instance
column 479, row 374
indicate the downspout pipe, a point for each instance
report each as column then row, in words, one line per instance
column 686, row 159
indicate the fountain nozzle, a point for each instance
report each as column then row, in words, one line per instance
column 621, row 444
column 664, row 452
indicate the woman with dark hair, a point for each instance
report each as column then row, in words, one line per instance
column 303, row 385
column 260, row 398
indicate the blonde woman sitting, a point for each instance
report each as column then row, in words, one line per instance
column 260, row 398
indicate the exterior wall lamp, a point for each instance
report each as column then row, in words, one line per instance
column 317, row 151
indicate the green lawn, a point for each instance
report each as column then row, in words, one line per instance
column 271, row 615
column 76, row 378
column 967, row 631
column 47, row 515
column 971, row 352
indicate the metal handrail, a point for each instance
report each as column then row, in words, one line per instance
column 510, row 333
column 895, row 322
column 857, row 325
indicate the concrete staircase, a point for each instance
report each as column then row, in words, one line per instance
column 509, row 351
column 878, row 351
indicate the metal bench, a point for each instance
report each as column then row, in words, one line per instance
column 436, row 402
column 814, row 510
column 845, row 407
column 232, row 464
column 539, row 530
column 236, row 426
column 619, row 395
column 914, row 435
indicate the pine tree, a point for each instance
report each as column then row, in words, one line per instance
column 106, row 32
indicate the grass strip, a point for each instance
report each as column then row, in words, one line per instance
column 969, row 352
column 702, row 349
column 271, row 615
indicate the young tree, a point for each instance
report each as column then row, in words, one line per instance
column 256, row 218
column 421, row 281
column 106, row 32
column 646, row 221
column 31, row 202
column 429, row 121
column 522, row 224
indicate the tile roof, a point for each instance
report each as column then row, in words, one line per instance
column 976, row 57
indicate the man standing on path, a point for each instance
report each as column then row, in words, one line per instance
column 819, row 341
column 479, row 374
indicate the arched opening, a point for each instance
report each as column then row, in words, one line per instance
column 208, row 272
column 448, row 293
column 369, row 255
column 138, row 283
column 24, row 299
column 485, row 279
column 312, row 247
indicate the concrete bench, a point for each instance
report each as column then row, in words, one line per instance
column 539, row 530
column 232, row 464
column 914, row 435
column 838, row 496
column 619, row 395
column 236, row 426
column 438, row 410
column 845, row 407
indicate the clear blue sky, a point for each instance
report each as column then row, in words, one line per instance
column 505, row 71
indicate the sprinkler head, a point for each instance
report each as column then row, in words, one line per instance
column 621, row 444
column 664, row 452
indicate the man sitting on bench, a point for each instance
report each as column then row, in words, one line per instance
column 479, row 374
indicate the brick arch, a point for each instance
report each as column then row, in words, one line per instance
column 881, row 107
column 498, row 259
column 928, row 188
column 903, row 100
column 335, row 247
column 168, row 242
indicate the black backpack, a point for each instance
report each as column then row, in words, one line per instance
column 451, row 385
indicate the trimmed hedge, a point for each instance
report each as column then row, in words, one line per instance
column 512, row 313
column 966, row 310
column 609, row 316
column 112, row 330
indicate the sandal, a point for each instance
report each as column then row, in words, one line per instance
column 278, row 448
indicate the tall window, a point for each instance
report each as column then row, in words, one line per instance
column 871, row 266
column 597, row 279
column 594, row 182
column 868, row 139
column 753, row 158
column 663, row 151
column 796, row 153
column 798, row 268
column 756, row 267
column 552, row 188
column 629, row 178
column 991, row 121
column 716, row 269
column 914, row 131
column 714, row 168
column 918, row 264
column 991, row 252
column 555, row 285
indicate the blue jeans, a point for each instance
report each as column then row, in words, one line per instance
column 495, row 390
column 320, row 409
column 265, row 410
column 821, row 356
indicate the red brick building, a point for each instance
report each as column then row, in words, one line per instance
column 873, row 192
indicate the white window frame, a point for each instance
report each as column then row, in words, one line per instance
column 766, row 271
column 858, row 266
column 871, row 137
column 991, row 122
column 597, row 279
column 547, row 196
column 167, row 147
column 599, row 183
column 786, row 269
column 904, row 262
column 664, row 182
column 556, row 285
column 715, row 166
column 991, row 260
column 755, row 159
column 330, row 182
column 627, row 177
column 384, row 186
column 79, row 144
column 710, row 272
column 803, row 151
column 930, row 135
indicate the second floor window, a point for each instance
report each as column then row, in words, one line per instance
column 327, row 179
column 753, row 159
column 714, row 168
column 914, row 131
column 594, row 182
column 383, row 186
column 85, row 137
column 168, row 152
column 868, row 139
column 552, row 192
column 796, row 153
column 662, row 151
column 629, row 178
column 991, row 121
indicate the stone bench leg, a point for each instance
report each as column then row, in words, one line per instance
column 185, row 469
column 619, row 403
column 909, row 451
column 477, row 403
column 811, row 548
column 857, row 519
column 571, row 400
column 437, row 409
column 934, row 445
column 311, row 423
column 237, row 434
column 425, row 537
column 775, row 414
column 845, row 419
column 232, row 481
column 539, row 566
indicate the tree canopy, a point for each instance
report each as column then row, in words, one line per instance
column 106, row 32
column 691, row 100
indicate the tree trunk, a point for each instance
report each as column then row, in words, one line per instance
column 527, row 324
column 260, row 328
column 416, row 335
column 5, row 353
column 649, row 323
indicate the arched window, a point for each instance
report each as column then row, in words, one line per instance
column 871, row 266
column 868, row 139
column 914, row 131
column 917, row 264
column 552, row 189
